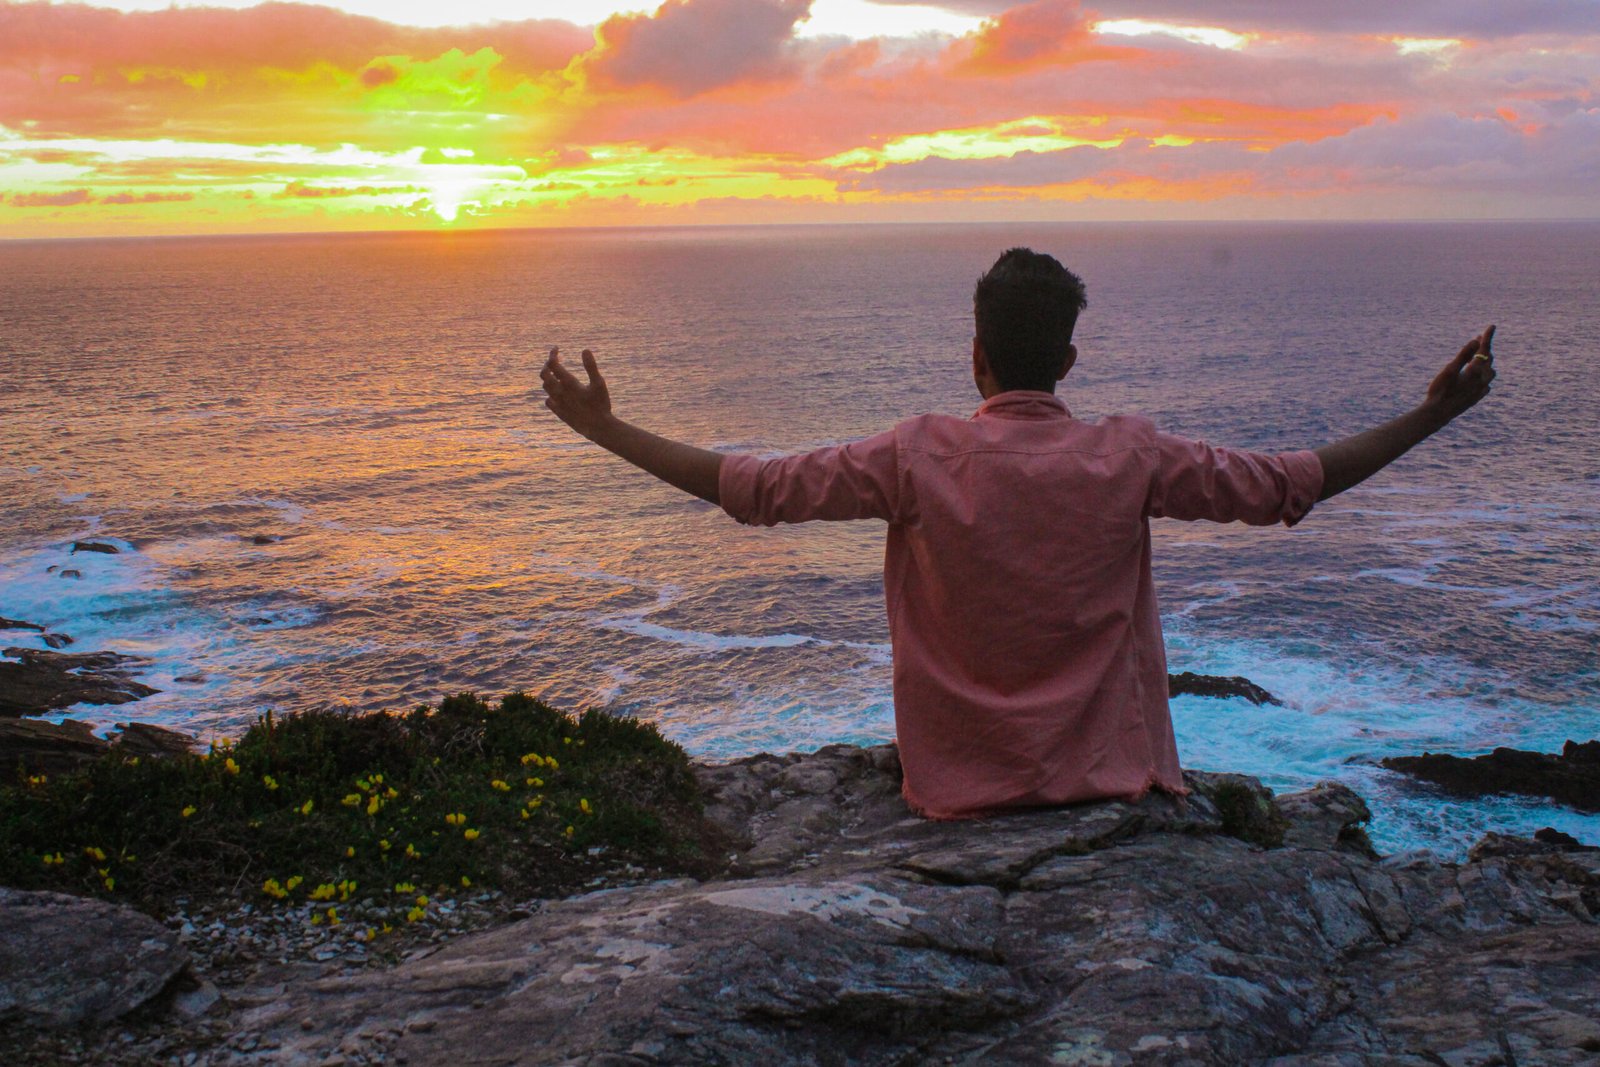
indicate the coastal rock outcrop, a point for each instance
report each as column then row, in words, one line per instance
column 847, row 930
column 66, row 961
column 55, row 748
column 1211, row 685
column 33, row 681
column 1572, row 778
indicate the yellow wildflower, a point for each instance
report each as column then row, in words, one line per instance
column 404, row 887
column 569, row 831
column 583, row 806
column 316, row 918
column 500, row 785
column 37, row 779
column 305, row 809
column 412, row 853
column 374, row 805
column 391, row 793
column 98, row 855
column 422, row 902
column 552, row 764
column 386, row 929
column 363, row 785
column 293, row 882
column 377, row 779
column 349, row 852
column 470, row 834
column 466, row 883
column 324, row 891
column 455, row 818
column 525, row 814
column 230, row 766
column 272, row 889
column 351, row 800
column 415, row 914
column 537, row 783
column 383, row 844
column 270, row 782
column 189, row 810
column 532, row 757
column 333, row 917
column 111, row 883
column 566, row 740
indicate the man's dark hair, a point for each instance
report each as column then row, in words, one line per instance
column 1026, row 306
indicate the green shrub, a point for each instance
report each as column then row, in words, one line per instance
column 324, row 805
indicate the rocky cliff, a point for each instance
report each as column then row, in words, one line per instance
column 1231, row 928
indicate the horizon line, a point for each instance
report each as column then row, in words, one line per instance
column 819, row 224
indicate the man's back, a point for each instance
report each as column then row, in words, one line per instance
column 1028, row 660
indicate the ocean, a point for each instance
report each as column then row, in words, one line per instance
column 367, row 407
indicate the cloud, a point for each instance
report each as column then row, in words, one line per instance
column 69, row 198
column 309, row 192
column 1425, row 18
column 1044, row 31
column 228, row 73
column 687, row 47
column 145, row 198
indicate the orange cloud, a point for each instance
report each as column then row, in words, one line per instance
column 69, row 198
column 1035, row 34
column 146, row 198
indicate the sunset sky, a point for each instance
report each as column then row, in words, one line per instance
column 144, row 118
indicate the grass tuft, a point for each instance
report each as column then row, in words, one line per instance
column 325, row 807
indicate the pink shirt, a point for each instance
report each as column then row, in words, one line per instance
column 1029, row 667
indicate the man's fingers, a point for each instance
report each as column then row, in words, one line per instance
column 562, row 375
column 591, row 367
column 1484, row 341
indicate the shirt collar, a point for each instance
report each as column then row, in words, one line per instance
column 1024, row 404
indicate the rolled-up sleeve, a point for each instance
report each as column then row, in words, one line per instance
column 859, row 480
column 1194, row 480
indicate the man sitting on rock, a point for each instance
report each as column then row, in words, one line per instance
column 1029, row 667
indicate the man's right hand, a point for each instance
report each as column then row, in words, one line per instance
column 1464, row 380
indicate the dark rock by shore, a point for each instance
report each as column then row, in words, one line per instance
column 54, row 640
column 55, row 748
column 1210, row 685
column 94, row 546
column 847, row 930
column 34, row 681
column 1572, row 778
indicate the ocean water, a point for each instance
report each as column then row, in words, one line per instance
column 370, row 402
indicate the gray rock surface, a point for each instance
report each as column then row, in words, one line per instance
column 849, row 931
column 66, row 961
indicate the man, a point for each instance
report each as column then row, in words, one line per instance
column 1029, row 667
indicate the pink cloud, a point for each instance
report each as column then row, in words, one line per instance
column 690, row 46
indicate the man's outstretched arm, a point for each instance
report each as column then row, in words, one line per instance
column 587, row 409
column 1462, row 383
